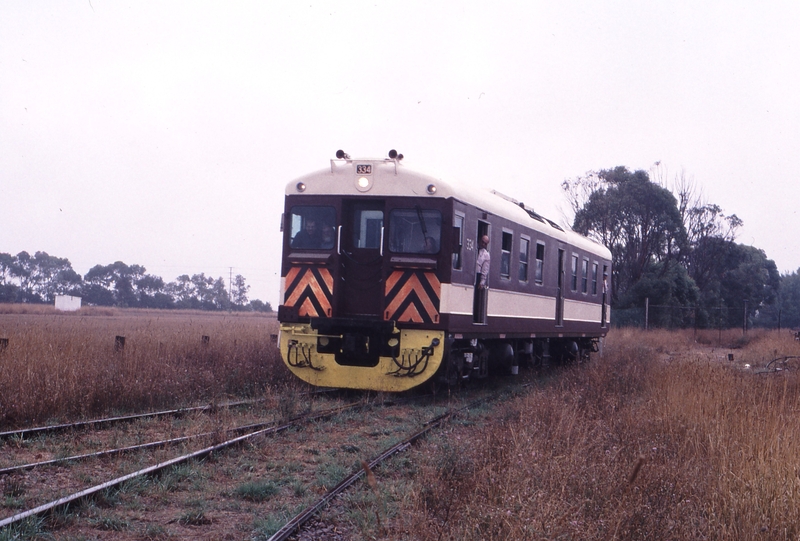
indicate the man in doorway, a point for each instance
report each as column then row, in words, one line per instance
column 482, row 265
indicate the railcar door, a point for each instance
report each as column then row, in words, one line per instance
column 560, row 290
column 361, row 291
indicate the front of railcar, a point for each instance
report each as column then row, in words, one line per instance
column 361, row 275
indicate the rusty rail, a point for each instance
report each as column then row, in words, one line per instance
column 66, row 500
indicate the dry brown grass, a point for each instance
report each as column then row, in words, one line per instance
column 659, row 439
column 60, row 366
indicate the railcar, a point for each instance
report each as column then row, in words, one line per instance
column 378, row 281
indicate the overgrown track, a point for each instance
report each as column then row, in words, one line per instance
column 109, row 421
column 297, row 522
column 324, row 441
column 72, row 498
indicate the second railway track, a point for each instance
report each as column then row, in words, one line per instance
column 255, row 488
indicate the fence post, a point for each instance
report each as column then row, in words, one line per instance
column 646, row 313
column 744, row 323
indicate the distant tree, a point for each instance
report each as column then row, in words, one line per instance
column 260, row 306
column 203, row 291
column 649, row 229
column 747, row 276
column 789, row 302
column 22, row 271
column 670, row 288
column 151, row 292
column 121, row 285
column 742, row 276
column 8, row 290
column 6, row 267
column 41, row 277
column 636, row 219
column 181, row 291
column 199, row 292
column 66, row 282
column 219, row 298
column 708, row 230
column 239, row 291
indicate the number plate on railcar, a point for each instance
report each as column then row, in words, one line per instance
column 364, row 169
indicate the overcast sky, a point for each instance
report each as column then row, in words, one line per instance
column 163, row 133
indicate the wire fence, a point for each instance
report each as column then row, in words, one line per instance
column 659, row 316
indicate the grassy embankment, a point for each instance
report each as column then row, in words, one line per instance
column 662, row 438
column 66, row 365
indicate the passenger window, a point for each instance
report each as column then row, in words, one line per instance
column 458, row 226
column 574, row 282
column 524, row 247
column 367, row 226
column 539, row 263
column 505, row 255
column 585, row 276
column 415, row 231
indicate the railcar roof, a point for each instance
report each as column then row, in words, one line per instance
column 389, row 178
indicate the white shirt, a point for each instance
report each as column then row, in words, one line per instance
column 482, row 265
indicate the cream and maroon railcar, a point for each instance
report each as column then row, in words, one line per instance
column 378, row 280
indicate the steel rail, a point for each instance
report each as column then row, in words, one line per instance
column 28, row 432
column 139, row 447
column 77, row 496
column 290, row 527
column 121, row 450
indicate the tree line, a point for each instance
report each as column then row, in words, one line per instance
column 40, row 277
column 674, row 248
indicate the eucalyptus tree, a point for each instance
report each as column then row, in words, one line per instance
column 636, row 219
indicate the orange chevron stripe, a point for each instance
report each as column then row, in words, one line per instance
column 414, row 285
column 411, row 315
column 327, row 278
column 434, row 282
column 290, row 276
column 392, row 280
column 308, row 280
column 307, row 309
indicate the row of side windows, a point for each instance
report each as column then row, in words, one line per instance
column 505, row 254
column 524, row 259
column 584, row 275
column 506, row 250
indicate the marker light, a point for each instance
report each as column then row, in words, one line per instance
column 301, row 187
column 431, row 189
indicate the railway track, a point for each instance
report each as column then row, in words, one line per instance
column 34, row 475
column 295, row 524
column 278, row 466
column 251, row 431
column 110, row 421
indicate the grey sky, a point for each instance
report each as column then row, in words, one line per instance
column 163, row 133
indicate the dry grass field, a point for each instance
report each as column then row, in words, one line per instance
column 667, row 435
column 60, row 366
column 661, row 438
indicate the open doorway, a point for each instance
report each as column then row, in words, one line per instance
column 482, row 268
